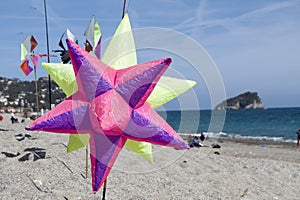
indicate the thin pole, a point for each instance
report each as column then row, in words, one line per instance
column 124, row 5
column 104, row 189
column 36, row 92
column 47, row 38
column 86, row 161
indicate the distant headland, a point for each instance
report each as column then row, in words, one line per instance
column 247, row 100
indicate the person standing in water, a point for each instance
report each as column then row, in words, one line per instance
column 298, row 140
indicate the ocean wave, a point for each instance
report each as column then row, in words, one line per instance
column 242, row 137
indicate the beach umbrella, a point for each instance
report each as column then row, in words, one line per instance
column 111, row 106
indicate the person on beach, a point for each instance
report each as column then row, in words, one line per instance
column 202, row 137
column 13, row 119
column 194, row 142
column 298, row 140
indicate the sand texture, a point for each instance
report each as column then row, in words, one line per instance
column 35, row 165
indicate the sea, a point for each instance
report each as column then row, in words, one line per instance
column 274, row 124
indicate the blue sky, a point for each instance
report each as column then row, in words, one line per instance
column 254, row 44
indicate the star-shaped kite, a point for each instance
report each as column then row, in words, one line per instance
column 119, row 56
column 111, row 106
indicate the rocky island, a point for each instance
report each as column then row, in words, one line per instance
column 248, row 100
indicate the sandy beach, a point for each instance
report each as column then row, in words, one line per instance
column 35, row 165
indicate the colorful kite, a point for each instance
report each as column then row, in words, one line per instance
column 64, row 54
column 111, row 106
column 68, row 83
column 93, row 35
column 26, row 68
column 27, row 47
column 167, row 88
column 27, row 54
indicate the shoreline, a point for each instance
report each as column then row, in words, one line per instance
column 250, row 148
column 247, row 141
column 236, row 137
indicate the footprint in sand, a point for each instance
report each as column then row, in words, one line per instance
column 21, row 137
column 37, row 153
column 30, row 153
column 10, row 155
